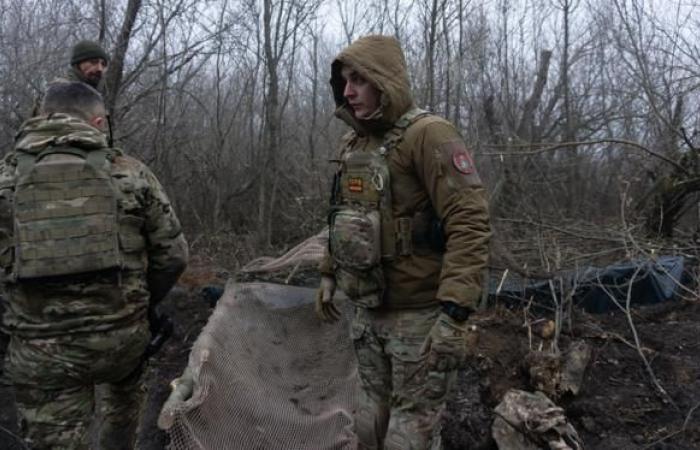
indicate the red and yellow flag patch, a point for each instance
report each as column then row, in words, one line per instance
column 355, row 184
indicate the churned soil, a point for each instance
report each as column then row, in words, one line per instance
column 622, row 403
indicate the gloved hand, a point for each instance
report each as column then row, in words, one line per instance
column 325, row 308
column 448, row 343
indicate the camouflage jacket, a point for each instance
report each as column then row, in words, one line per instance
column 431, row 174
column 91, row 301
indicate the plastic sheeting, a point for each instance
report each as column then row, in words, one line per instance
column 652, row 281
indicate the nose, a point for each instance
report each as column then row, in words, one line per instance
column 349, row 90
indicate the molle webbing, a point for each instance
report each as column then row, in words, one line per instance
column 397, row 232
column 65, row 214
column 364, row 183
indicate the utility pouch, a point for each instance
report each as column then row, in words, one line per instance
column 363, row 288
column 436, row 236
column 427, row 233
column 355, row 238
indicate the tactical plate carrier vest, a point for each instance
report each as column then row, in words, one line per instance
column 65, row 213
column 362, row 229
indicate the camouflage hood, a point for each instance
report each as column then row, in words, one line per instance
column 380, row 60
column 40, row 132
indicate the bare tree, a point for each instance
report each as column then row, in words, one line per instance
column 115, row 73
column 560, row 100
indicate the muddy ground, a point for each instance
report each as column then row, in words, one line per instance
column 618, row 407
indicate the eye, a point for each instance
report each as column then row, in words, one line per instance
column 357, row 79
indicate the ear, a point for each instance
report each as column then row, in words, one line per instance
column 98, row 122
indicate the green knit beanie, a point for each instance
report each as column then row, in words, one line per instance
column 87, row 50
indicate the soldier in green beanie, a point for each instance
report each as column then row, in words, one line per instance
column 88, row 64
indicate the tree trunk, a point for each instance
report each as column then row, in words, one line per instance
column 116, row 64
column 271, row 124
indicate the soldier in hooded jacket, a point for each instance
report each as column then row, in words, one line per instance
column 408, row 243
column 88, row 239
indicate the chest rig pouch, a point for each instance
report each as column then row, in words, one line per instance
column 361, row 227
column 65, row 213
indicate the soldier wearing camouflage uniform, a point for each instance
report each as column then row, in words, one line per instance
column 88, row 239
column 409, row 233
column 88, row 64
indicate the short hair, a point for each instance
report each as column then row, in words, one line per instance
column 74, row 98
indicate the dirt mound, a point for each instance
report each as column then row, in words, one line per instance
column 619, row 405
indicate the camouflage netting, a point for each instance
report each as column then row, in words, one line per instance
column 298, row 266
column 265, row 373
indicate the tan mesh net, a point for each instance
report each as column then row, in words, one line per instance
column 305, row 255
column 265, row 374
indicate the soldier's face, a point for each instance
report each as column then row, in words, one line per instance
column 93, row 69
column 361, row 95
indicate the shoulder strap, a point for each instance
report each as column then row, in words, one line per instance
column 347, row 142
column 64, row 150
column 101, row 158
column 410, row 117
column 394, row 136
column 98, row 159
column 25, row 161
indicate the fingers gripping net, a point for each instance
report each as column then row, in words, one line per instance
column 267, row 375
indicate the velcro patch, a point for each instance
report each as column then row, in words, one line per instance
column 457, row 165
column 463, row 162
column 355, row 184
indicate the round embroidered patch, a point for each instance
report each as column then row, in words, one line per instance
column 463, row 162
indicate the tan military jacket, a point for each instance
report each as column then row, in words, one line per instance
column 431, row 171
column 155, row 255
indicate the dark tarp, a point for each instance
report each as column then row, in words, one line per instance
column 653, row 281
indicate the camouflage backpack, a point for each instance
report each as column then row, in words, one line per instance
column 65, row 213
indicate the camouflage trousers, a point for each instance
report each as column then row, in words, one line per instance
column 401, row 401
column 59, row 383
